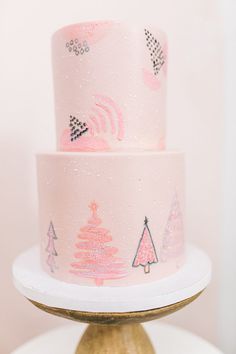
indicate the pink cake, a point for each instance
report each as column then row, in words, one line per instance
column 111, row 199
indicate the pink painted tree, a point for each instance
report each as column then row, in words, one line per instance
column 146, row 253
column 95, row 259
column 173, row 240
column 50, row 249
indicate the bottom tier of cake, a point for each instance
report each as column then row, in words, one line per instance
column 111, row 219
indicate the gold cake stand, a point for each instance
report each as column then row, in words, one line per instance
column 111, row 331
column 115, row 332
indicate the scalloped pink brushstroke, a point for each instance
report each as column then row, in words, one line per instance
column 119, row 114
column 84, row 143
column 89, row 31
column 95, row 122
column 90, row 128
column 99, row 236
column 109, row 114
column 90, row 228
column 151, row 80
column 109, row 252
column 101, row 117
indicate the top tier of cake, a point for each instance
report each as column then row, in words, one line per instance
column 110, row 87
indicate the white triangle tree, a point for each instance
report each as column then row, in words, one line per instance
column 173, row 240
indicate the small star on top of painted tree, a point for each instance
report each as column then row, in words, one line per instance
column 146, row 253
column 94, row 220
column 50, row 249
column 94, row 258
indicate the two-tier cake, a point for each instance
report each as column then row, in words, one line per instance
column 111, row 199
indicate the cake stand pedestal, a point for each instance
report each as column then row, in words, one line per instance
column 114, row 314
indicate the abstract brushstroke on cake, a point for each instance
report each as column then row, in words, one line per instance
column 105, row 119
column 85, row 143
column 95, row 259
column 151, row 80
column 112, row 115
column 76, row 47
column 91, row 32
column 173, row 240
column 50, row 249
column 146, row 252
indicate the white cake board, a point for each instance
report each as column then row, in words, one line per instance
column 36, row 285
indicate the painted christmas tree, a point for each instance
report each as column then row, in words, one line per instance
column 95, row 259
column 173, row 241
column 146, row 253
column 50, row 249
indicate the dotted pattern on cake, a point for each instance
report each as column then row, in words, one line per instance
column 77, row 47
column 156, row 52
column 77, row 128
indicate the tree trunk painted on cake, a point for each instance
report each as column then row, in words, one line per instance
column 146, row 253
column 50, row 249
column 173, row 240
column 95, row 259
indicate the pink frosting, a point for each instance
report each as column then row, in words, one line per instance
column 110, row 218
column 151, row 80
column 86, row 31
column 133, row 230
column 118, row 90
column 85, row 143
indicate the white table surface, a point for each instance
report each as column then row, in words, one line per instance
column 166, row 339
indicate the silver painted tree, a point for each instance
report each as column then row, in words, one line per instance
column 50, row 249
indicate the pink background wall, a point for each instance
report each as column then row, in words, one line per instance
column 195, row 122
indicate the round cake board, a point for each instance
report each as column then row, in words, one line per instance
column 37, row 285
